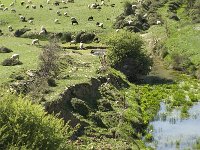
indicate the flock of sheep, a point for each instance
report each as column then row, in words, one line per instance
column 28, row 4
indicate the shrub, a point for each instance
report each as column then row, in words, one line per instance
column 24, row 125
column 66, row 37
column 5, row 50
column 87, row 37
column 11, row 62
column 126, row 54
column 128, row 8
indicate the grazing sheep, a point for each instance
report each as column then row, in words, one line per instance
column 117, row 30
column 10, row 28
column 130, row 22
column 15, row 57
column 56, row 21
column 73, row 42
column 65, row 14
column 29, row 1
column 43, row 31
column 6, row 8
column 158, row 22
column 134, row 6
column 35, row 41
column 33, row 6
column 22, row 18
column 48, row 1
column 58, row 13
column 99, row 24
column 112, row 5
column 73, row 20
column 1, row 5
column 12, row 4
column 30, row 21
column 93, row 6
column 56, row 3
column 90, row 18
column 102, row 3
column 13, row 10
column 64, row 2
column 41, row 6
column 22, row 3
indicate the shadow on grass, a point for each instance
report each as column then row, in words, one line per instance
column 154, row 80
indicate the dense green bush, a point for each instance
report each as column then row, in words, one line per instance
column 126, row 54
column 24, row 125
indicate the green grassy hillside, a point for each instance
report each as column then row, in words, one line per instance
column 107, row 110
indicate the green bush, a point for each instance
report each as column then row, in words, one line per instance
column 24, row 125
column 126, row 54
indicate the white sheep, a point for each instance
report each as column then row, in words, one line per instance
column 130, row 21
column 15, row 57
column 65, row 14
column 64, row 2
column 12, row 4
column 35, row 41
column 30, row 1
column 10, row 28
column 117, row 30
column 56, row 21
column 6, row 8
column 73, row 42
column 30, row 21
column 58, row 13
column 158, row 22
column 101, row 25
column 48, row 1
column 42, row 32
column 1, row 5
column 13, row 10
column 22, row 18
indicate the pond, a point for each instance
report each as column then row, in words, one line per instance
column 171, row 132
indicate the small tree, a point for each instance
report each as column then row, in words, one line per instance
column 126, row 54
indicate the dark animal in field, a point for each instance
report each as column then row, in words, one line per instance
column 33, row 6
column 41, row 6
column 22, row 3
column 27, row 6
column 112, row 5
column 90, row 18
column 56, row 3
column 74, row 22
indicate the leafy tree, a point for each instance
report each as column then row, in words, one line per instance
column 127, row 55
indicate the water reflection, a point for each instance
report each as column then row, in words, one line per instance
column 171, row 132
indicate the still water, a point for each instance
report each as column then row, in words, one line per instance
column 170, row 132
